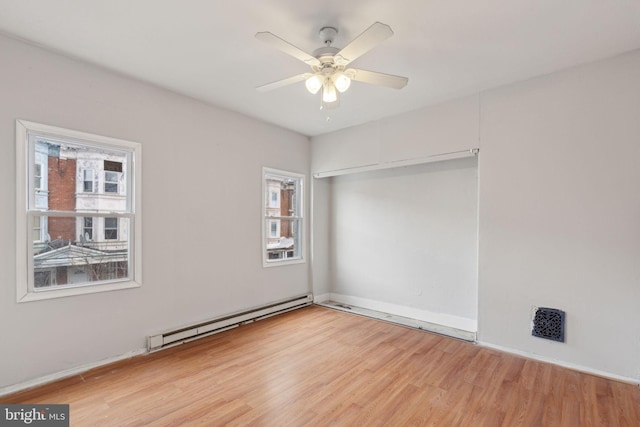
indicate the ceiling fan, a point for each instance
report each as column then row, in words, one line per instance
column 328, row 63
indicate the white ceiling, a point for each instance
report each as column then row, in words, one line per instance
column 448, row 48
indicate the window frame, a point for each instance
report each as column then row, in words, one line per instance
column 266, row 219
column 25, row 210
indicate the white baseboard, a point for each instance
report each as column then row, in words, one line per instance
column 568, row 365
column 67, row 373
column 392, row 313
column 461, row 323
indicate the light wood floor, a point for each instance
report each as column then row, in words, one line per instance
column 319, row 367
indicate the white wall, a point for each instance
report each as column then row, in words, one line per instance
column 559, row 206
column 406, row 239
column 560, row 213
column 201, row 248
column 446, row 128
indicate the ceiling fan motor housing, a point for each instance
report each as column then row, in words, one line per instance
column 328, row 35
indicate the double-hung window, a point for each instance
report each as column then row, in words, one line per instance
column 87, row 181
column 282, row 225
column 72, row 238
column 111, row 229
column 37, row 176
column 87, row 229
column 112, row 175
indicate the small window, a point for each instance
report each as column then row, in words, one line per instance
column 283, row 220
column 87, row 181
column 274, row 200
column 87, row 229
column 37, row 176
column 43, row 279
column 273, row 229
column 64, row 252
column 111, row 229
column 111, row 180
column 37, row 229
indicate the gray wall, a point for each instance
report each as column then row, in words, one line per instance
column 201, row 201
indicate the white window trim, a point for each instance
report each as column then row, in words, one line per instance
column 263, row 218
column 24, row 264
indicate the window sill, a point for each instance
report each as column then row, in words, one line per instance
column 78, row 290
column 280, row 263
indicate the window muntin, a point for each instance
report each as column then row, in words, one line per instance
column 283, row 219
column 67, row 252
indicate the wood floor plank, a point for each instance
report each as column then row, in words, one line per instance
column 316, row 366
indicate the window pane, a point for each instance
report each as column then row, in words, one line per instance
column 283, row 239
column 71, row 260
column 68, row 184
column 281, row 195
column 42, row 279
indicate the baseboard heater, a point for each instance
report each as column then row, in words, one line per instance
column 213, row 326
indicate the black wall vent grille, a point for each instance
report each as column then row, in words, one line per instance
column 549, row 323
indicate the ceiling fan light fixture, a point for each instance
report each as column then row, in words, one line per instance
column 341, row 82
column 329, row 93
column 314, row 83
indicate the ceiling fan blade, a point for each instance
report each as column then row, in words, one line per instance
column 380, row 79
column 284, row 82
column 287, row 47
column 362, row 44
